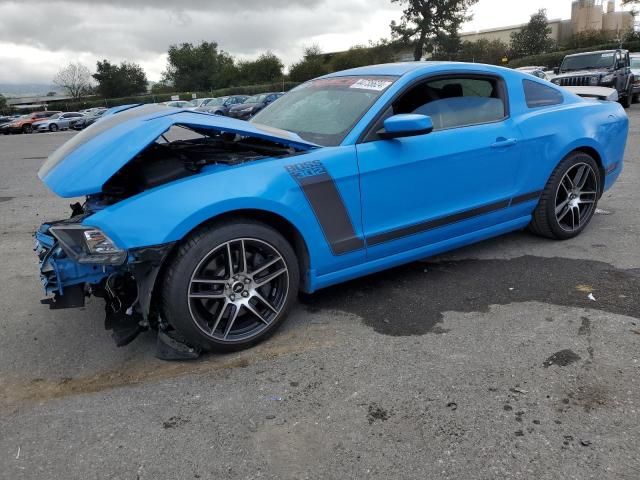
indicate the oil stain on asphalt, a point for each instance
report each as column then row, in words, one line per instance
column 410, row 300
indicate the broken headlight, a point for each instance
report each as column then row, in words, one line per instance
column 88, row 245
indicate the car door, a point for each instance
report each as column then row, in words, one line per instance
column 460, row 178
column 63, row 121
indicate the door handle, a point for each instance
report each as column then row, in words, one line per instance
column 504, row 142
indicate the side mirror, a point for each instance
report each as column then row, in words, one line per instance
column 406, row 125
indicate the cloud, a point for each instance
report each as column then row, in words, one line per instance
column 52, row 33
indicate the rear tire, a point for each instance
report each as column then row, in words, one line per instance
column 27, row 129
column 221, row 305
column 569, row 199
column 636, row 98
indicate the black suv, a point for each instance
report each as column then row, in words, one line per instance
column 606, row 68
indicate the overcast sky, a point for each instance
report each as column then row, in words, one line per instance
column 38, row 36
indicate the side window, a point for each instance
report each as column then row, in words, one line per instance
column 456, row 101
column 539, row 95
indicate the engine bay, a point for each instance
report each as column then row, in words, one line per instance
column 165, row 161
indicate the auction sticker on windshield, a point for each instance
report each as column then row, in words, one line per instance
column 374, row 84
column 371, row 84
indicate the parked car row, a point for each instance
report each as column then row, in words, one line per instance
column 237, row 106
column 50, row 121
column 242, row 107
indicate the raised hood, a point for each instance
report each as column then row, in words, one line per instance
column 83, row 164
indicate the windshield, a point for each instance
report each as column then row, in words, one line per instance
column 324, row 111
column 57, row 115
column 256, row 99
column 588, row 62
column 635, row 62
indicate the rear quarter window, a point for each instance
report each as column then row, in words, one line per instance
column 539, row 95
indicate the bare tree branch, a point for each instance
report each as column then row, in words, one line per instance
column 75, row 79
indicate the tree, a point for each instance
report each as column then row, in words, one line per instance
column 267, row 68
column 483, row 51
column 311, row 66
column 3, row 103
column 533, row 38
column 586, row 39
column 75, row 79
column 446, row 46
column 120, row 80
column 199, row 67
column 424, row 20
column 361, row 55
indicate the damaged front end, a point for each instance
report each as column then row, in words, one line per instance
column 119, row 159
column 77, row 261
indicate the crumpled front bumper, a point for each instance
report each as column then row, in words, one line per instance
column 65, row 282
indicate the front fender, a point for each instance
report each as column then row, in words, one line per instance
column 170, row 212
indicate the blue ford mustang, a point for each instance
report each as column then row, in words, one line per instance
column 205, row 228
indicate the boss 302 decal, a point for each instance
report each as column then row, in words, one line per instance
column 327, row 205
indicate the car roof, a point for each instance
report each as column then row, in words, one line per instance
column 405, row 68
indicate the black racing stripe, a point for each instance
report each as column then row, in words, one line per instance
column 431, row 224
column 526, row 197
column 327, row 205
column 448, row 220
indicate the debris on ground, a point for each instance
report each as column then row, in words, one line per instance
column 376, row 413
column 600, row 211
column 518, row 390
column 561, row 358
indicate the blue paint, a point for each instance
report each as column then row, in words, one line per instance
column 385, row 185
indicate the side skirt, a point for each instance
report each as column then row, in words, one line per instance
column 377, row 265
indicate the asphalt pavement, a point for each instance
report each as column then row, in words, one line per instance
column 490, row 362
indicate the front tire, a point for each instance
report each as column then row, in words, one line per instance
column 53, row 127
column 230, row 286
column 27, row 129
column 628, row 98
column 569, row 199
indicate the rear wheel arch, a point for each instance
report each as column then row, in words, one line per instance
column 593, row 153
